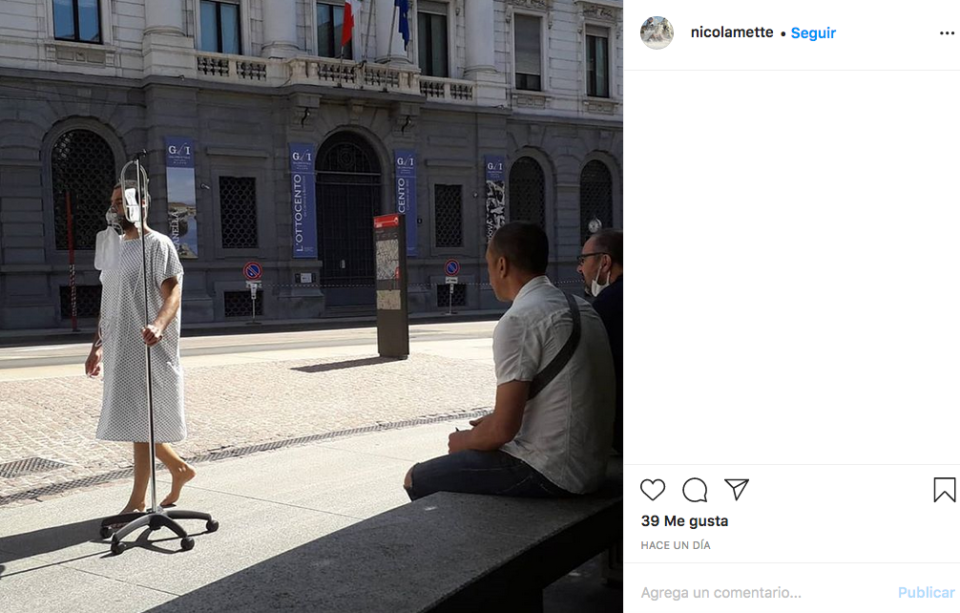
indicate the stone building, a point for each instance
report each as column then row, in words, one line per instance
column 494, row 110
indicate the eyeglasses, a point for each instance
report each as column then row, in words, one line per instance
column 584, row 256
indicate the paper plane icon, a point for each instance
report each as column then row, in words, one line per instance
column 738, row 486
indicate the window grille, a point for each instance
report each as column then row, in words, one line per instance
column 238, row 212
column 596, row 198
column 84, row 172
column 88, row 301
column 527, row 198
column 237, row 304
column 459, row 296
column 448, row 215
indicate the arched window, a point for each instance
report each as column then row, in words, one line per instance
column 84, row 174
column 527, row 197
column 596, row 199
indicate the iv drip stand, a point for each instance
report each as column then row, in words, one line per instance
column 155, row 517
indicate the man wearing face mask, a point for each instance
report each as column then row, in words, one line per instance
column 118, row 346
column 601, row 265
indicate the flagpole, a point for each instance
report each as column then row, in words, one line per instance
column 366, row 40
column 353, row 20
column 393, row 28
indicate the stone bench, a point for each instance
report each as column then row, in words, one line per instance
column 443, row 553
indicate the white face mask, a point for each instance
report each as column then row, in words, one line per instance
column 596, row 287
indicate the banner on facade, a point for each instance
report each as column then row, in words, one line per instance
column 406, row 171
column 495, row 202
column 182, row 196
column 303, row 191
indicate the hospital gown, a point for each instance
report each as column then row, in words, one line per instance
column 124, row 416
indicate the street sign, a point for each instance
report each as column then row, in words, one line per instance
column 386, row 221
column 452, row 267
column 252, row 271
column 253, row 286
column 390, row 258
column 453, row 280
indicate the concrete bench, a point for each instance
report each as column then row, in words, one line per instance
column 443, row 553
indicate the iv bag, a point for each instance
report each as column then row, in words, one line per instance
column 107, row 255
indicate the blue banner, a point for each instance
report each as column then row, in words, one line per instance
column 303, row 189
column 406, row 166
column 182, row 196
column 495, row 201
column 404, row 6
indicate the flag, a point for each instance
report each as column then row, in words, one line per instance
column 348, row 22
column 404, row 6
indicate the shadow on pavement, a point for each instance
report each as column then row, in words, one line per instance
column 39, row 542
column 143, row 542
column 344, row 365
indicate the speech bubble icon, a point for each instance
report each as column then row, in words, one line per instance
column 695, row 490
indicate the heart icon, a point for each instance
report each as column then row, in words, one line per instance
column 652, row 489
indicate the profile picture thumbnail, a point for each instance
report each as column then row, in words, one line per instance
column 656, row 32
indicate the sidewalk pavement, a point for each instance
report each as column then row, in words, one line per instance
column 52, row 560
column 240, row 398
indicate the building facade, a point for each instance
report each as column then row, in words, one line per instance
column 491, row 111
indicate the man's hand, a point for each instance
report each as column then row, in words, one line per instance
column 92, row 366
column 152, row 334
column 458, row 441
column 495, row 430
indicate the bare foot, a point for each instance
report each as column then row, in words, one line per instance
column 180, row 478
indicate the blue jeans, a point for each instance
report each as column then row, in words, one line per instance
column 481, row 472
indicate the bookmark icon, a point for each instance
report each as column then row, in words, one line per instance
column 944, row 487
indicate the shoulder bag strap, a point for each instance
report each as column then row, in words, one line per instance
column 548, row 374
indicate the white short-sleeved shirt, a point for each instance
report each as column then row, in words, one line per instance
column 567, row 428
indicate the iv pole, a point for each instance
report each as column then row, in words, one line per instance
column 155, row 517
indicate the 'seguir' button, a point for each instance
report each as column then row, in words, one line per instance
column 921, row 593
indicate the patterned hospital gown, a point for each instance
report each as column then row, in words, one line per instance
column 124, row 416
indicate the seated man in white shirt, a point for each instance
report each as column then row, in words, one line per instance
column 548, row 436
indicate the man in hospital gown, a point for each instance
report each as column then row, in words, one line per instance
column 118, row 351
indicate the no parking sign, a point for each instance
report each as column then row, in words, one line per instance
column 252, row 271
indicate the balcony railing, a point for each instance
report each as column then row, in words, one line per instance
column 345, row 74
column 447, row 90
column 239, row 68
column 354, row 75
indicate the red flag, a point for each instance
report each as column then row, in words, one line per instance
column 347, row 22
